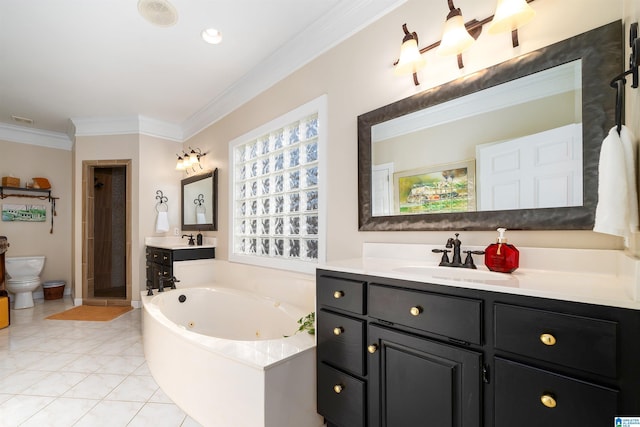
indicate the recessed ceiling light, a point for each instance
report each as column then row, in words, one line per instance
column 212, row 36
column 158, row 12
column 24, row 120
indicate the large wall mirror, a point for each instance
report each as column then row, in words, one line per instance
column 199, row 202
column 515, row 145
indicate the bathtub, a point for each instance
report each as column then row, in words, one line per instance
column 220, row 354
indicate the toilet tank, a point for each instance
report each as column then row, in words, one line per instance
column 25, row 266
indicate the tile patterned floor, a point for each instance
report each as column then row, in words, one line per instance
column 63, row 373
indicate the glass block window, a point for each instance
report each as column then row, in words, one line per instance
column 276, row 189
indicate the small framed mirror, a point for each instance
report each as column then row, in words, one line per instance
column 200, row 202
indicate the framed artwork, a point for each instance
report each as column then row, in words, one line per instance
column 443, row 188
column 28, row 213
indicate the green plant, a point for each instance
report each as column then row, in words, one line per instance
column 307, row 323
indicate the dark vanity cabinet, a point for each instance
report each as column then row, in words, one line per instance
column 159, row 264
column 395, row 353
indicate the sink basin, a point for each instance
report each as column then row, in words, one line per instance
column 463, row 274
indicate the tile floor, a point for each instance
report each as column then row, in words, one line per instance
column 68, row 373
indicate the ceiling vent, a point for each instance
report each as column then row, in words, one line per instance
column 158, row 12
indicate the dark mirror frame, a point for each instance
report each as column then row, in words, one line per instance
column 214, row 202
column 601, row 52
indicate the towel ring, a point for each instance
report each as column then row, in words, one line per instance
column 162, row 205
column 618, row 82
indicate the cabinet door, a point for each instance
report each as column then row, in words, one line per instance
column 416, row 381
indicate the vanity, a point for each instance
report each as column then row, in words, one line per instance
column 163, row 252
column 405, row 342
column 402, row 341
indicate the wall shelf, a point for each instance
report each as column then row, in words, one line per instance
column 18, row 192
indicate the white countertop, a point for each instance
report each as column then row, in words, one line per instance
column 592, row 276
column 178, row 243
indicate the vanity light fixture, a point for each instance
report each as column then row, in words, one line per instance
column 195, row 155
column 180, row 164
column 511, row 15
column 458, row 36
column 455, row 36
column 411, row 59
column 189, row 160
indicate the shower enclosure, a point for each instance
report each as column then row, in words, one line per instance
column 106, row 233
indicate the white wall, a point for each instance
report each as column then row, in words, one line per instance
column 357, row 76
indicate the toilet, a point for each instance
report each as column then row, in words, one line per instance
column 23, row 274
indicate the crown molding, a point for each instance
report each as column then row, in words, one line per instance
column 42, row 138
column 92, row 126
column 344, row 20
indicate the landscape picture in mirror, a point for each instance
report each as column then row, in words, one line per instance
column 199, row 202
column 515, row 145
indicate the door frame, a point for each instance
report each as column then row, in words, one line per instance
column 88, row 168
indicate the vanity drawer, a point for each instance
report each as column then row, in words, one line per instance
column 341, row 397
column 343, row 294
column 157, row 255
column 341, row 341
column 574, row 341
column 454, row 317
column 520, row 391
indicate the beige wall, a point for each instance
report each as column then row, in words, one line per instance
column 25, row 162
column 357, row 76
column 153, row 168
column 157, row 172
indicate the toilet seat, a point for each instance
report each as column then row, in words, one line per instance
column 24, row 281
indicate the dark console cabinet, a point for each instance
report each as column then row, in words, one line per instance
column 159, row 264
column 394, row 353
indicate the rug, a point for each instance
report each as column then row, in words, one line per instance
column 91, row 313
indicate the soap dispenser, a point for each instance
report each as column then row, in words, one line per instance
column 501, row 256
column 199, row 238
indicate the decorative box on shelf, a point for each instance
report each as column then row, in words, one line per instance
column 10, row 181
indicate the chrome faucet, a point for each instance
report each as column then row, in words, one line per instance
column 455, row 244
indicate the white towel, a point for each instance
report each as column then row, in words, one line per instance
column 162, row 222
column 200, row 218
column 617, row 209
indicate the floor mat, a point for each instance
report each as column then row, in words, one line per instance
column 91, row 313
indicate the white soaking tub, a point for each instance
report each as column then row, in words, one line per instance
column 221, row 355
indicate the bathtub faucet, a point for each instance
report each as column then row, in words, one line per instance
column 172, row 283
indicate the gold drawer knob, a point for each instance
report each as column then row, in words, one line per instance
column 548, row 401
column 548, row 339
column 372, row 348
column 338, row 388
column 338, row 294
column 338, row 331
column 415, row 311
